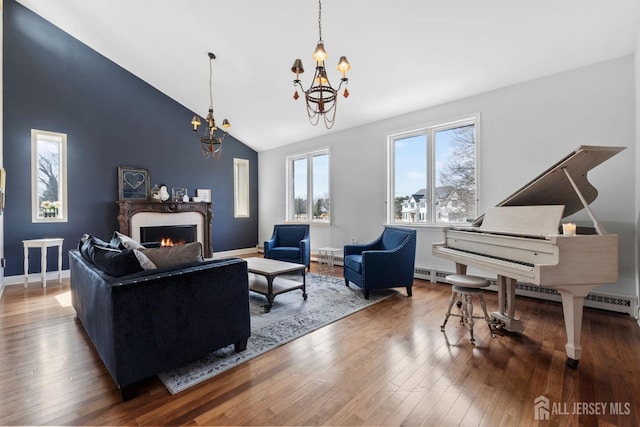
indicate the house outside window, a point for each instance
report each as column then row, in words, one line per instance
column 433, row 174
column 48, row 176
column 308, row 195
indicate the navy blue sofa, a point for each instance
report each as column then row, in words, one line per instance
column 150, row 321
column 387, row 262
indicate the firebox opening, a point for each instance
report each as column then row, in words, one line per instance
column 169, row 235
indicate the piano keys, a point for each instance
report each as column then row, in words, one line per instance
column 521, row 240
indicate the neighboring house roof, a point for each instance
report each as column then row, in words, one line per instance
column 420, row 194
column 443, row 192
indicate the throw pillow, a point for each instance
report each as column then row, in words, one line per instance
column 122, row 241
column 171, row 256
column 114, row 262
column 87, row 242
column 144, row 262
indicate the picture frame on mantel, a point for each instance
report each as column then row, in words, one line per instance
column 133, row 183
column 204, row 194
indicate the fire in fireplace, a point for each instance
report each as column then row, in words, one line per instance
column 169, row 235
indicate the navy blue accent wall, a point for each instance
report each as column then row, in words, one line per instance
column 112, row 118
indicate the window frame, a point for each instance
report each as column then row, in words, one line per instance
column 430, row 130
column 60, row 138
column 241, row 188
column 289, row 202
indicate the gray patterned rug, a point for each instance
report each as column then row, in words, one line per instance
column 290, row 318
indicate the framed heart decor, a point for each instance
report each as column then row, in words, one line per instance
column 133, row 183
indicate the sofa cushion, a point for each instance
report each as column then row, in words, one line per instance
column 291, row 235
column 88, row 241
column 114, row 262
column 143, row 260
column 354, row 262
column 122, row 241
column 281, row 252
column 171, row 256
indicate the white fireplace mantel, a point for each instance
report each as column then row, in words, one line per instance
column 136, row 213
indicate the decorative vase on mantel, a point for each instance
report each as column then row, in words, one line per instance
column 155, row 193
column 164, row 193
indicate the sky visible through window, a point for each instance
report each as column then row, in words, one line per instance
column 411, row 161
column 320, row 177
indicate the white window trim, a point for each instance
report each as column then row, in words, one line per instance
column 62, row 184
column 430, row 127
column 241, row 188
column 289, row 185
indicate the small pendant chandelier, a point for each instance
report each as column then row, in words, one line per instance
column 321, row 98
column 211, row 139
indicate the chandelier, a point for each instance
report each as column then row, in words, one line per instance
column 321, row 98
column 211, row 139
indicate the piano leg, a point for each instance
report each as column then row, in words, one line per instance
column 572, row 307
column 506, row 305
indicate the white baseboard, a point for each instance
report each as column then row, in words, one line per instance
column 34, row 277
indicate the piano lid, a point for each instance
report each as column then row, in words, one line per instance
column 552, row 187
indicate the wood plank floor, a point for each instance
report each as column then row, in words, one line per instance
column 386, row 365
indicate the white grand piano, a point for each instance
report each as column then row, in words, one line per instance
column 521, row 240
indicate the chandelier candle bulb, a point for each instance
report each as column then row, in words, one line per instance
column 195, row 122
column 344, row 66
column 569, row 229
column 320, row 54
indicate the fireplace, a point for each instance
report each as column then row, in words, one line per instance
column 169, row 235
column 134, row 215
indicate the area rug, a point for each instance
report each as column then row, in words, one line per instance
column 289, row 318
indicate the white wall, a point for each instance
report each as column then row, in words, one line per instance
column 524, row 129
column 1, row 151
column 637, row 176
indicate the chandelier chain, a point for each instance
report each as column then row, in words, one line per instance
column 320, row 19
column 211, row 82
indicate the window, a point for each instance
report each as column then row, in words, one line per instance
column 241, row 188
column 433, row 174
column 308, row 187
column 48, row 176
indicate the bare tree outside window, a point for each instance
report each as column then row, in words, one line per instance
column 458, row 175
column 48, row 168
column 48, row 171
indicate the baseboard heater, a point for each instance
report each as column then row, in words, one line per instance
column 596, row 299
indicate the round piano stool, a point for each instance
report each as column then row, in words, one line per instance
column 464, row 288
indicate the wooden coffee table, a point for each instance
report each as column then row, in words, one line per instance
column 266, row 281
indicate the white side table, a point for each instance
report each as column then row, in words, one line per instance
column 43, row 244
column 327, row 261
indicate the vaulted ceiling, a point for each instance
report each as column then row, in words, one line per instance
column 405, row 54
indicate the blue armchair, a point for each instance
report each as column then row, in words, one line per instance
column 388, row 262
column 290, row 243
